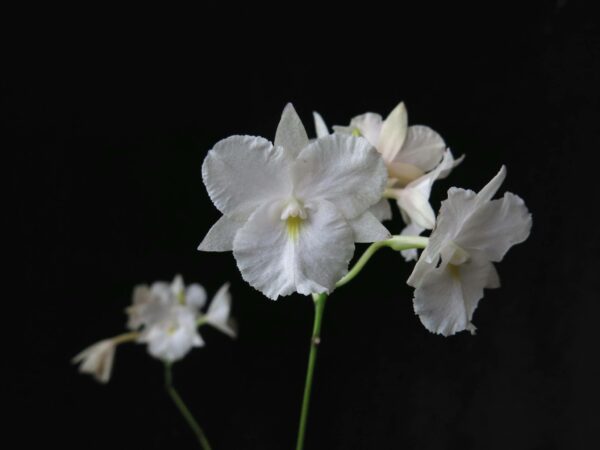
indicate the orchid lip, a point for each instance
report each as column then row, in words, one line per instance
column 293, row 214
column 293, row 208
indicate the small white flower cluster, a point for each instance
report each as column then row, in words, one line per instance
column 293, row 210
column 166, row 317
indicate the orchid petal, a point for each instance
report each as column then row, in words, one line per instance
column 195, row 296
column 220, row 237
column 414, row 201
column 345, row 170
column 414, row 198
column 446, row 298
column 97, row 360
column 393, row 133
column 490, row 189
column 242, row 172
column 423, row 148
column 458, row 205
column 367, row 229
column 219, row 311
column 290, row 133
column 422, row 268
column 449, row 165
column 382, row 210
column 369, row 126
column 495, row 227
column 320, row 125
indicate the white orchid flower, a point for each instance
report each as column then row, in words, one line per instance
column 150, row 304
column 172, row 336
column 169, row 315
column 472, row 232
column 97, row 360
column 293, row 210
column 415, row 157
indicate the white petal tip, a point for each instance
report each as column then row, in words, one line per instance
column 501, row 175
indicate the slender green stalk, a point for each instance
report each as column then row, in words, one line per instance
column 319, row 300
column 396, row 243
column 125, row 337
column 183, row 409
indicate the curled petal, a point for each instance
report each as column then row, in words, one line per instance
column 308, row 258
column 414, row 198
column 393, row 133
column 242, row 172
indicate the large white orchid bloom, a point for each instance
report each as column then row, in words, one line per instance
column 293, row 210
column 472, row 232
column 415, row 157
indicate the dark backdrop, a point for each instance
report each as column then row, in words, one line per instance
column 113, row 117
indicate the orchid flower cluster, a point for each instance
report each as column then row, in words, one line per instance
column 166, row 317
column 293, row 210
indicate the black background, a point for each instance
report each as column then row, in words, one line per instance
column 113, row 116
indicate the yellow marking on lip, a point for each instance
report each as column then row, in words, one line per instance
column 454, row 271
column 293, row 227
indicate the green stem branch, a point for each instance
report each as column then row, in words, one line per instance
column 125, row 337
column 319, row 300
column 183, row 409
column 397, row 243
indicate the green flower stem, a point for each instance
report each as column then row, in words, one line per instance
column 183, row 409
column 397, row 243
column 319, row 300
